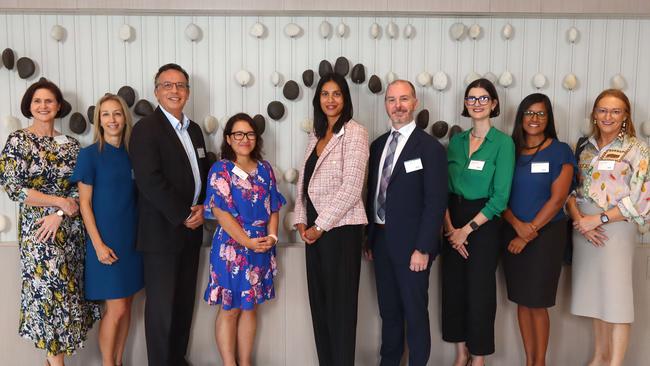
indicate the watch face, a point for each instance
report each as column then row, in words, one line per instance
column 604, row 218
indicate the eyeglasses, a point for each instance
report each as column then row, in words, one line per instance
column 482, row 100
column 540, row 114
column 169, row 85
column 403, row 99
column 613, row 112
column 238, row 136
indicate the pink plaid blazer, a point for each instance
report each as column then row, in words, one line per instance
column 338, row 179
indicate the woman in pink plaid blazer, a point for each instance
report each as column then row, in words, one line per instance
column 330, row 218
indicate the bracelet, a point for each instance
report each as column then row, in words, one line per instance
column 534, row 226
column 274, row 237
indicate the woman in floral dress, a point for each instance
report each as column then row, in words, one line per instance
column 34, row 169
column 242, row 195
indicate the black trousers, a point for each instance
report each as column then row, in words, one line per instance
column 333, row 265
column 170, row 285
column 469, row 285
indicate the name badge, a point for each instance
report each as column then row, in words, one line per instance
column 201, row 152
column 606, row 165
column 413, row 165
column 541, row 167
column 476, row 164
column 239, row 172
column 61, row 139
column 132, row 174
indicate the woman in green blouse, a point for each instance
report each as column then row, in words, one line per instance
column 480, row 165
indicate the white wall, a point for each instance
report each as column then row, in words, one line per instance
column 93, row 60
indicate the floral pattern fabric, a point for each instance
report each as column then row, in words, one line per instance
column 239, row 277
column 53, row 312
column 616, row 175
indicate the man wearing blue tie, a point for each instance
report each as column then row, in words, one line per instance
column 407, row 198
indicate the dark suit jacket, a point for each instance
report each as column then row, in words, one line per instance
column 165, row 183
column 415, row 201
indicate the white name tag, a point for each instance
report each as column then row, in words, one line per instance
column 476, row 164
column 541, row 167
column 61, row 139
column 413, row 165
column 606, row 165
column 132, row 174
column 239, row 172
column 201, row 152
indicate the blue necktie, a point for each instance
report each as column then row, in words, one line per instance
column 385, row 175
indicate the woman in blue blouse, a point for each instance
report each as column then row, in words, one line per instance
column 537, row 230
column 243, row 196
column 107, row 201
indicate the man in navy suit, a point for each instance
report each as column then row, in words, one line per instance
column 169, row 162
column 407, row 198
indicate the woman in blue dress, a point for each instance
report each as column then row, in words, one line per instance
column 242, row 195
column 107, row 201
column 537, row 230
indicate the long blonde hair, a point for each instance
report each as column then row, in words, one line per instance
column 616, row 93
column 99, row 130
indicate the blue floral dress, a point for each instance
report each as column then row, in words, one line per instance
column 239, row 277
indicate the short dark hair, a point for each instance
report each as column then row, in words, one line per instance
column 170, row 66
column 226, row 150
column 492, row 91
column 518, row 133
column 26, row 102
column 320, row 119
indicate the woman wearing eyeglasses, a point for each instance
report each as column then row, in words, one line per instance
column 611, row 199
column 480, row 166
column 330, row 218
column 243, row 196
column 536, row 234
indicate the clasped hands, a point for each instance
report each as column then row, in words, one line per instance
column 591, row 228
column 526, row 232
column 309, row 235
column 49, row 224
column 260, row 244
column 457, row 237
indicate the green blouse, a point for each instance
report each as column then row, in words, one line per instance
column 487, row 174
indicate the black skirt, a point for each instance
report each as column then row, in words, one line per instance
column 532, row 275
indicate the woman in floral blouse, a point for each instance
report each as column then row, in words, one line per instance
column 34, row 169
column 611, row 199
column 242, row 195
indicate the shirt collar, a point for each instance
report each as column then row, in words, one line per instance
column 340, row 133
column 175, row 122
column 406, row 130
column 616, row 143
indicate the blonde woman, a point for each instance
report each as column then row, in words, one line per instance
column 107, row 200
column 611, row 198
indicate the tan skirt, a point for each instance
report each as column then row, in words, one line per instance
column 602, row 276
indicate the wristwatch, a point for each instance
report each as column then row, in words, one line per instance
column 318, row 228
column 604, row 218
column 59, row 213
column 473, row 225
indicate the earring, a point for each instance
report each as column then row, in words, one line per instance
column 621, row 132
column 595, row 122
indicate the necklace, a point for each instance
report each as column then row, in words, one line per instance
column 536, row 146
column 471, row 132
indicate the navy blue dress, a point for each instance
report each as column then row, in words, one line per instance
column 114, row 206
column 532, row 275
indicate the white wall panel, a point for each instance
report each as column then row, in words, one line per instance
column 93, row 60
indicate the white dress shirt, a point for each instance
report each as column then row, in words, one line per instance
column 186, row 141
column 405, row 133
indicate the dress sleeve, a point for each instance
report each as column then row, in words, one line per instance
column 84, row 171
column 563, row 156
column 276, row 200
column 14, row 164
column 636, row 205
column 217, row 192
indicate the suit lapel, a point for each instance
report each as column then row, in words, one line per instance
column 411, row 145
